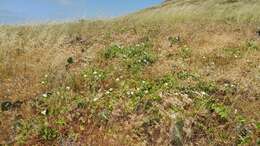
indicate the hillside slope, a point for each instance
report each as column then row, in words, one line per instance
column 186, row 72
column 228, row 11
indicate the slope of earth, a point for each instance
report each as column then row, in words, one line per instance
column 181, row 73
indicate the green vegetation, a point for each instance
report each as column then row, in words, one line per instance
column 139, row 95
column 134, row 57
column 48, row 133
column 185, row 52
column 174, row 40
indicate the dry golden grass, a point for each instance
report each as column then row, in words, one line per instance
column 218, row 43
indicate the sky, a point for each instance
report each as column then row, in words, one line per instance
column 30, row 11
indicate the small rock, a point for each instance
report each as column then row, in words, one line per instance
column 17, row 104
column 70, row 60
column 49, row 93
column 258, row 32
column 252, row 98
column 5, row 106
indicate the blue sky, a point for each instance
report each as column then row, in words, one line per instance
column 26, row 11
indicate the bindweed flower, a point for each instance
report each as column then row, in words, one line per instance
column 95, row 99
column 204, row 93
column 45, row 95
column 128, row 93
column 235, row 111
column 145, row 61
column 44, row 112
column 107, row 92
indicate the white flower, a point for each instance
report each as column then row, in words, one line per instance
column 173, row 116
column 68, row 88
column 111, row 89
column 95, row 99
column 146, row 91
column 166, row 84
column 128, row 92
column 117, row 79
column 203, row 93
column 58, row 93
column 44, row 112
column 42, row 82
column 45, row 95
column 161, row 94
column 107, row 92
column 138, row 89
column 46, row 76
column 85, row 76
